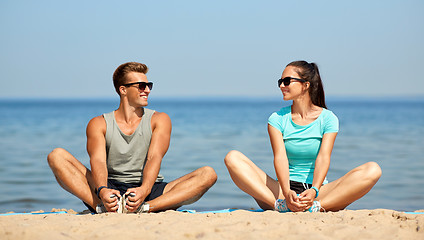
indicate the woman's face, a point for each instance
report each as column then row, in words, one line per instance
column 295, row 88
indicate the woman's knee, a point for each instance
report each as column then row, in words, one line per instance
column 372, row 171
column 232, row 158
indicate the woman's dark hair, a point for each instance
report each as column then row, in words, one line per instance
column 310, row 72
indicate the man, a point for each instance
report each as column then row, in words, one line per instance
column 126, row 148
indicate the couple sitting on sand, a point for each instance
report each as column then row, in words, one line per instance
column 126, row 148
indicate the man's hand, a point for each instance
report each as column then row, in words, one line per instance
column 133, row 202
column 110, row 203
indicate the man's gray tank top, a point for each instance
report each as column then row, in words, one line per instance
column 127, row 154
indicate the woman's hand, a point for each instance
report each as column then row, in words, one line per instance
column 294, row 203
column 307, row 197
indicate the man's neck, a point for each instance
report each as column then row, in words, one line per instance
column 128, row 113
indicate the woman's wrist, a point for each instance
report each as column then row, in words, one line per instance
column 316, row 191
column 286, row 191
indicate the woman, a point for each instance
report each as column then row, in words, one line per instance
column 302, row 138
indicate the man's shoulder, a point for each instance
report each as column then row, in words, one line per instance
column 97, row 123
column 160, row 119
column 98, row 119
column 160, row 116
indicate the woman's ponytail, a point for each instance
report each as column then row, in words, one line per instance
column 310, row 72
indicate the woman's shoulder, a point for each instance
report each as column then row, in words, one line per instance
column 279, row 119
column 284, row 111
column 328, row 113
column 330, row 120
column 280, row 114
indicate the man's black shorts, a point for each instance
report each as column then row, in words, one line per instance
column 157, row 189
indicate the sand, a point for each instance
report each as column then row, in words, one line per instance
column 240, row 224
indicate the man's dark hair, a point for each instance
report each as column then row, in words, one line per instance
column 121, row 72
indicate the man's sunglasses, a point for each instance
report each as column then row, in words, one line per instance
column 141, row 85
column 287, row 81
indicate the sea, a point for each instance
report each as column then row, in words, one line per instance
column 387, row 131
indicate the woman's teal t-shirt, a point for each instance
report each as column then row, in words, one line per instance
column 303, row 142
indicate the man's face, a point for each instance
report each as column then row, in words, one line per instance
column 134, row 94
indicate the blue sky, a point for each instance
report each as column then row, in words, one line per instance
column 69, row 49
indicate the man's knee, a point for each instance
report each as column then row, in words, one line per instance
column 209, row 175
column 55, row 156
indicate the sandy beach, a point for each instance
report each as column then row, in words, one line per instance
column 240, row 224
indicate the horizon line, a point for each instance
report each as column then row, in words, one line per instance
column 219, row 98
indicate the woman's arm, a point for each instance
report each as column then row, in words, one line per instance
column 281, row 164
column 322, row 164
column 323, row 160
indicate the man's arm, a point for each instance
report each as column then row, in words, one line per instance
column 161, row 136
column 96, row 148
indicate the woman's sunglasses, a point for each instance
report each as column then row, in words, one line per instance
column 287, row 80
column 141, row 85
